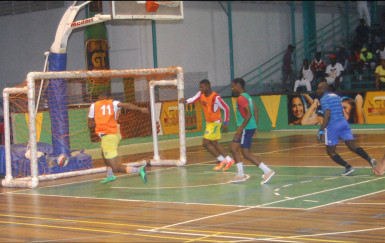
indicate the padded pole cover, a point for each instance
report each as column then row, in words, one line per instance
column 57, row 100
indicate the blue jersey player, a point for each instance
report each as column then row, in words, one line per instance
column 335, row 126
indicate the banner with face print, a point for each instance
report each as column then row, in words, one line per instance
column 305, row 109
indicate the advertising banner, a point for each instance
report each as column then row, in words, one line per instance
column 169, row 120
column 305, row 109
column 374, row 107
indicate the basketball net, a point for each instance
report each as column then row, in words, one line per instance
column 152, row 6
column 171, row 4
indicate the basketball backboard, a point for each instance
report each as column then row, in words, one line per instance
column 165, row 10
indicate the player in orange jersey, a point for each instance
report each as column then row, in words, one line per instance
column 103, row 117
column 212, row 103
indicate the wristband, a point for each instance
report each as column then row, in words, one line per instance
column 225, row 123
column 321, row 132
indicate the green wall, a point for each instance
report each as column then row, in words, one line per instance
column 80, row 135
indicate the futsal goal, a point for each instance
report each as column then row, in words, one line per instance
column 30, row 154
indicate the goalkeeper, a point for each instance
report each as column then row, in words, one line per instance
column 103, row 117
column 211, row 102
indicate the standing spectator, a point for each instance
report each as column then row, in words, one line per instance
column 306, row 76
column 287, row 70
column 380, row 76
column 362, row 8
column 334, row 72
column 362, row 33
column 367, row 60
column 380, row 53
column 319, row 66
column 374, row 41
column 354, row 59
column 343, row 57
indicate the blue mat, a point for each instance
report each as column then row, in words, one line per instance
column 21, row 166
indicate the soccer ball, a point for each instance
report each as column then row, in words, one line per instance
column 62, row 160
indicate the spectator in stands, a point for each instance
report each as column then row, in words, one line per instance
column 374, row 41
column 306, row 76
column 319, row 66
column 287, row 71
column 380, row 53
column 362, row 33
column 354, row 59
column 367, row 60
column 362, row 8
column 380, row 76
column 343, row 57
column 334, row 72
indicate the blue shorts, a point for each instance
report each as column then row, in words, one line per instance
column 246, row 138
column 336, row 130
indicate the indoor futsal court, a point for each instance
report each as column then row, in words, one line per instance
column 306, row 201
column 69, row 122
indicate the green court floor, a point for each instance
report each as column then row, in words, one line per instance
column 291, row 187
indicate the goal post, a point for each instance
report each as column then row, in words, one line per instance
column 159, row 89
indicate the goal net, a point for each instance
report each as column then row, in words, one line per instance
column 30, row 134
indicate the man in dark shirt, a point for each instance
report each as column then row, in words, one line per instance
column 287, row 71
column 362, row 33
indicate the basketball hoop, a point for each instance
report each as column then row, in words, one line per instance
column 151, row 6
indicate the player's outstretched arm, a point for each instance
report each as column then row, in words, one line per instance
column 129, row 106
column 91, row 123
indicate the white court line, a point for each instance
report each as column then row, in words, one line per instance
column 240, row 238
column 367, row 203
column 262, row 205
column 200, row 235
column 337, row 202
column 330, row 233
column 310, row 201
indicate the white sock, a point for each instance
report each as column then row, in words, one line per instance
column 264, row 168
column 220, row 158
column 240, row 169
column 110, row 172
column 228, row 158
column 134, row 169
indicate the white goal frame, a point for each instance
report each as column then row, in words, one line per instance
column 29, row 90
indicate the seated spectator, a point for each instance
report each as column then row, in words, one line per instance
column 355, row 60
column 367, row 60
column 343, row 57
column 306, row 76
column 319, row 66
column 380, row 53
column 374, row 41
column 379, row 74
column 362, row 33
column 334, row 72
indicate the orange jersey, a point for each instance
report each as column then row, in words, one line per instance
column 105, row 118
column 208, row 107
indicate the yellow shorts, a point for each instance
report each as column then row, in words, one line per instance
column 110, row 143
column 213, row 131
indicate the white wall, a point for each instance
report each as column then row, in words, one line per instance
column 199, row 43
